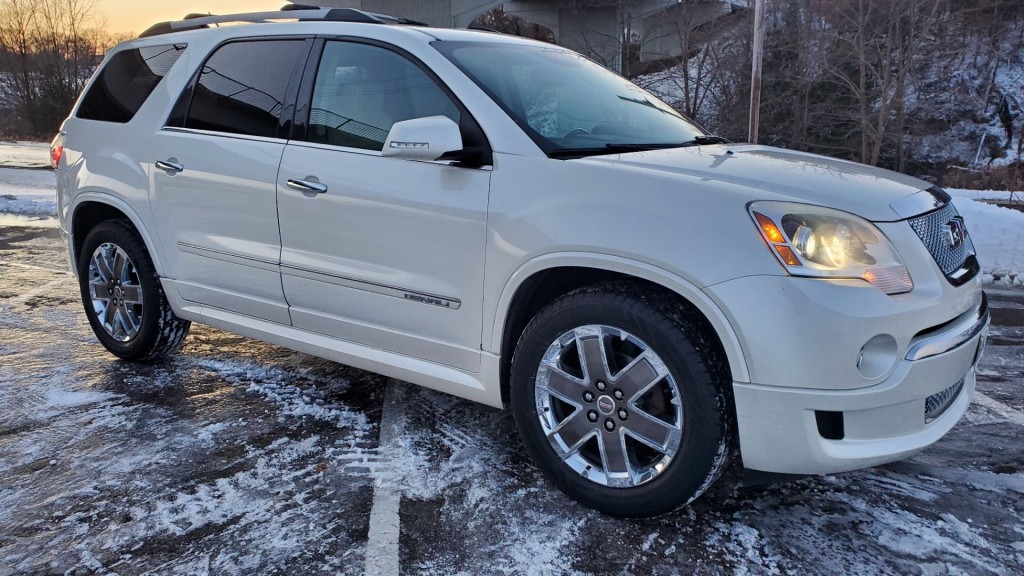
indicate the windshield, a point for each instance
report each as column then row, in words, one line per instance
column 569, row 105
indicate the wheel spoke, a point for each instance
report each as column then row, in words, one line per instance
column 650, row 430
column 102, row 266
column 120, row 262
column 99, row 291
column 636, row 379
column 592, row 357
column 132, row 294
column 131, row 322
column 573, row 432
column 120, row 330
column 613, row 454
column 109, row 315
column 564, row 386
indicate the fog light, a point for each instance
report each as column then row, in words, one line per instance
column 877, row 356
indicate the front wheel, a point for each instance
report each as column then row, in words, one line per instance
column 620, row 395
column 122, row 295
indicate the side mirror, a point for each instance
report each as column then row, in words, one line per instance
column 425, row 139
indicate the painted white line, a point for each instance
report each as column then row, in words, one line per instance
column 30, row 267
column 1008, row 412
column 382, row 542
column 33, row 293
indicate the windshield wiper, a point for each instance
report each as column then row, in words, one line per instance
column 705, row 140
column 622, row 148
column 610, row 149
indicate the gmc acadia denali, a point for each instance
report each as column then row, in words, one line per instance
column 506, row 221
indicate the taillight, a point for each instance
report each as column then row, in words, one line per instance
column 57, row 150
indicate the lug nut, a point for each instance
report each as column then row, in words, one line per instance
column 592, row 416
column 609, row 425
column 601, row 385
column 588, row 396
column 618, row 394
column 623, row 414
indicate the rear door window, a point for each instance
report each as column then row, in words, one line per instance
column 127, row 81
column 242, row 87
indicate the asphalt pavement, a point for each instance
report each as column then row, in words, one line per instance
column 238, row 457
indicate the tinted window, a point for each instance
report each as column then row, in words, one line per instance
column 242, row 87
column 124, row 84
column 362, row 90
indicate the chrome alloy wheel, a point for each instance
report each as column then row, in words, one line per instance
column 609, row 406
column 116, row 292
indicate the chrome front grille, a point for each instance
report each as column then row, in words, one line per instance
column 934, row 229
column 936, row 404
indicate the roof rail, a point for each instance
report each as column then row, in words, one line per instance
column 291, row 12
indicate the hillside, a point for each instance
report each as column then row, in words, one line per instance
column 931, row 88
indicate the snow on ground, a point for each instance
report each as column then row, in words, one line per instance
column 238, row 457
column 24, row 154
column 28, row 192
column 998, row 233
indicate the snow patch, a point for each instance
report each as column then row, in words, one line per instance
column 293, row 400
column 28, row 192
column 68, row 398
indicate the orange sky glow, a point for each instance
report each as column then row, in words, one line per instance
column 136, row 15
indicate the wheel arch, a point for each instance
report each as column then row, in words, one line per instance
column 545, row 278
column 92, row 208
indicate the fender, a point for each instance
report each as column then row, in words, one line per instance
column 687, row 290
column 126, row 209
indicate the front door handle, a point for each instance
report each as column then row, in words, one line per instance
column 307, row 186
column 170, row 166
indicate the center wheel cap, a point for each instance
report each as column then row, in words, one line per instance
column 606, row 405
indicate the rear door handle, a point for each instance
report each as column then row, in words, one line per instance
column 170, row 166
column 307, row 186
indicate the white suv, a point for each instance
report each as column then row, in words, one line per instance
column 506, row 221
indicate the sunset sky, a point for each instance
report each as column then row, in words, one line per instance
column 137, row 15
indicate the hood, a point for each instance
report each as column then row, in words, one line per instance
column 777, row 174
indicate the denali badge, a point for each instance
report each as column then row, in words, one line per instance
column 424, row 299
column 956, row 232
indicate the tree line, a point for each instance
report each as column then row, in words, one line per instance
column 48, row 49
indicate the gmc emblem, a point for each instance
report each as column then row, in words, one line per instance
column 956, row 232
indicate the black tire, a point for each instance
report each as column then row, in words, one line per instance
column 159, row 332
column 697, row 375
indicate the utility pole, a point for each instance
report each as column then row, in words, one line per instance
column 755, row 76
column 627, row 32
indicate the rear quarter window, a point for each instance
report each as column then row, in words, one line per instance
column 127, row 81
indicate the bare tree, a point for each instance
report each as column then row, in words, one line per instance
column 48, row 48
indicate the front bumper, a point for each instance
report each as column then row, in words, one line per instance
column 813, row 431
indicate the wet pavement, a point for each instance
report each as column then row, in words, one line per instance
column 238, row 457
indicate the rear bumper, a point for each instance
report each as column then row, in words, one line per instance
column 813, row 431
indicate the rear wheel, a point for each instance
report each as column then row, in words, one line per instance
column 122, row 295
column 621, row 398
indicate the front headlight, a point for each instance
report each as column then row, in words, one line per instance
column 826, row 243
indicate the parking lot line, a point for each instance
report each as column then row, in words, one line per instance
column 33, row 293
column 385, row 523
column 30, row 267
column 1007, row 412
